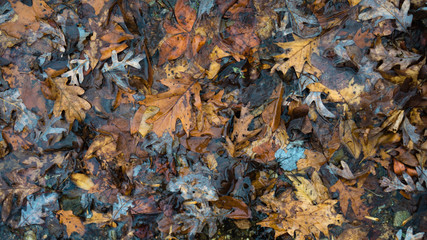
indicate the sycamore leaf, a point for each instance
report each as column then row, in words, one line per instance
column 288, row 158
column 121, row 207
column 9, row 102
column 68, row 100
column 173, row 105
column 384, row 9
column 117, row 70
column 34, row 211
column 77, row 74
column 351, row 196
column 297, row 54
column 72, row 222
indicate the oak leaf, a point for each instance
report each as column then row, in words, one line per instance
column 71, row 222
column 287, row 215
column 67, row 99
column 297, row 54
column 351, row 196
column 173, row 105
column 310, row 191
column 180, row 36
column 240, row 131
column 384, row 9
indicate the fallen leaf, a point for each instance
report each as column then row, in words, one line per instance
column 173, row 105
column 67, row 99
column 297, row 54
column 384, row 9
column 71, row 222
column 351, row 196
column 240, row 129
column 82, row 181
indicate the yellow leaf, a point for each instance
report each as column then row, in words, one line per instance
column 104, row 147
column 82, row 181
column 98, row 218
column 68, row 100
column 310, row 191
column 71, row 222
column 297, row 54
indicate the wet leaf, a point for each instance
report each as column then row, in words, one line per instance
column 173, row 105
column 121, row 207
column 383, row 9
column 72, row 222
column 34, row 211
column 10, row 102
column 67, row 99
column 351, row 196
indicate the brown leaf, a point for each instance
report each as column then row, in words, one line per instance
column 240, row 129
column 271, row 114
column 103, row 147
column 298, row 217
column 173, row 105
column 72, row 222
column 68, row 100
column 27, row 17
column 351, row 196
column 312, row 159
column 240, row 209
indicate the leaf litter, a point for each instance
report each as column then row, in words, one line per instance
column 188, row 119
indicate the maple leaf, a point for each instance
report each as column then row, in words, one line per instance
column 173, row 105
column 297, row 54
column 11, row 102
column 351, row 196
column 82, row 65
column 34, row 211
column 71, row 222
column 68, row 100
column 287, row 215
column 174, row 46
column 386, row 10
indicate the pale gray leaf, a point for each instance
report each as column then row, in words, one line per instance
column 9, row 102
column 34, row 211
column 121, row 207
column 304, row 22
column 409, row 133
column 205, row 6
column 383, row 9
column 321, row 109
column 77, row 73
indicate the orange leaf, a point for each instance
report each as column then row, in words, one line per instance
column 173, row 47
column 174, row 104
column 271, row 114
column 185, row 15
column 240, row 131
column 71, row 222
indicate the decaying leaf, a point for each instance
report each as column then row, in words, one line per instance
column 117, row 70
column 121, row 207
column 173, row 105
column 351, row 196
column 383, row 9
column 10, row 102
column 34, row 211
column 72, row 222
column 68, row 100
column 300, row 218
column 240, row 130
column 409, row 235
column 288, row 157
column 77, row 71
column 310, row 191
